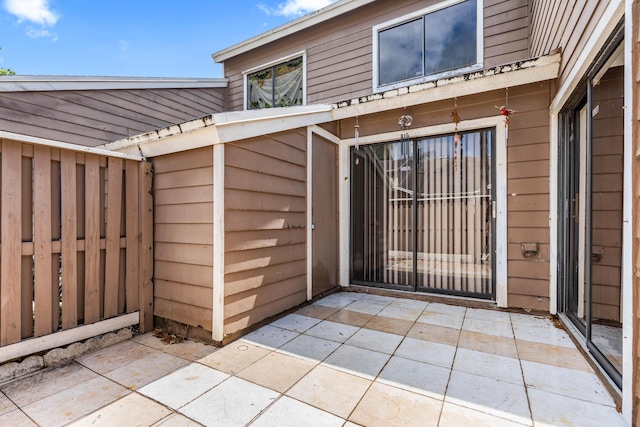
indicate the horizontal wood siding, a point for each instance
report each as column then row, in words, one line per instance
column 183, row 188
column 527, row 172
column 563, row 24
column 94, row 117
column 340, row 51
column 265, row 227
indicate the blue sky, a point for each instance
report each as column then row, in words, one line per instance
column 155, row 38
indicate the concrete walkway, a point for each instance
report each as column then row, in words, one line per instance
column 348, row 359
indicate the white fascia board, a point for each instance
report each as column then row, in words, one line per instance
column 306, row 21
column 221, row 128
column 500, row 77
column 59, row 83
column 67, row 146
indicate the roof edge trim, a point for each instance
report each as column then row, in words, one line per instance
column 306, row 21
column 58, row 83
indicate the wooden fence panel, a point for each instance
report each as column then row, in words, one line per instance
column 75, row 240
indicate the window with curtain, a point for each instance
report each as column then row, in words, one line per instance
column 279, row 85
column 441, row 40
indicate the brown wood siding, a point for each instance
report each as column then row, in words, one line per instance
column 339, row 52
column 635, row 206
column 265, row 227
column 527, row 176
column 94, row 117
column 183, row 237
column 563, row 24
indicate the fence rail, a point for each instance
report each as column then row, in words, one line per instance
column 75, row 239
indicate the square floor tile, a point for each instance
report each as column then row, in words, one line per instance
column 330, row 390
column 554, row 410
column 410, row 303
column 357, row 361
column 493, row 315
column 349, row 317
column 317, row 311
column 488, row 343
column 418, row 377
column 114, row 357
column 16, row 418
column 75, row 402
column 433, row 333
column 6, row 405
column 184, row 385
column 290, row 412
column 501, row 328
column 382, row 342
column 384, row 405
column 427, row 351
column 543, row 332
column 489, row 365
column 380, row 299
column 176, row 420
column 367, row 307
column 277, row 371
column 234, row 357
column 332, row 331
column 567, row 382
column 498, row 398
column 563, row 357
column 47, row 382
column 456, row 416
column 132, row 410
column 235, row 402
column 295, row 322
column 451, row 310
column 145, row 370
column 400, row 312
column 337, row 300
column 309, row 348
column 392, row 326
column 187, row 349
column 439, row 319
column 270, row 337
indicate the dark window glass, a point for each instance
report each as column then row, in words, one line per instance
column 401, row 52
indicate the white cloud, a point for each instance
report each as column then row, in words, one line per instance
column 36, row 11
column 38, row 34
column 295, row 8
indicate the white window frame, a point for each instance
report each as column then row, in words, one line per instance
column 246, row 73
column 376, row 29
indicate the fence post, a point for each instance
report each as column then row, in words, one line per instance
column 145, row 281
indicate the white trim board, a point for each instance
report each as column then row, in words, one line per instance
column 496, row 122
column 217, row 313
column 62, row 338
column 57, row 83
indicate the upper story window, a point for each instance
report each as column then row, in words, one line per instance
column 435, row 42
column 278, row 85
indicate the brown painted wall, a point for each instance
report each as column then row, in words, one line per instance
column 183, row 237
column 563, row 24
column 339, row 52
column 527, row 171
column 94, row 117
column 265, row 227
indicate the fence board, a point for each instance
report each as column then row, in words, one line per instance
column 26, row 299
column 56, row 222
column 69, row 240
column 43, row 291
column 132, row 230
column 112, row 261
column 92, row 240
column 10, row 234
column 145, row 281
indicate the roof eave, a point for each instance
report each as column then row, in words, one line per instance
column 59, row 83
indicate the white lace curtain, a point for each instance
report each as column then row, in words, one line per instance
column 283, row 91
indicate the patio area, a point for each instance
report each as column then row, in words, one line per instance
column 348, row 359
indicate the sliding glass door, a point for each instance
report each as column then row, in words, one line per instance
column 422, row 214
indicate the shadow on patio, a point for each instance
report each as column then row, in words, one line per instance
column 348, row 359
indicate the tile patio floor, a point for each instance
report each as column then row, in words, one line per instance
column 348, row 359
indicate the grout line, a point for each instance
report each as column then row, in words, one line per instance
column 524, row 384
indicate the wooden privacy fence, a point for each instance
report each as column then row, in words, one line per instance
column 76, row 230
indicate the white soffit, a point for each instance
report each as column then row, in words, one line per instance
column 306, row 21
column 55, row 83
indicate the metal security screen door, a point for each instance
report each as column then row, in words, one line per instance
column 422, row 214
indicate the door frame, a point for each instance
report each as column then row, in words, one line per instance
column 497, row 122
